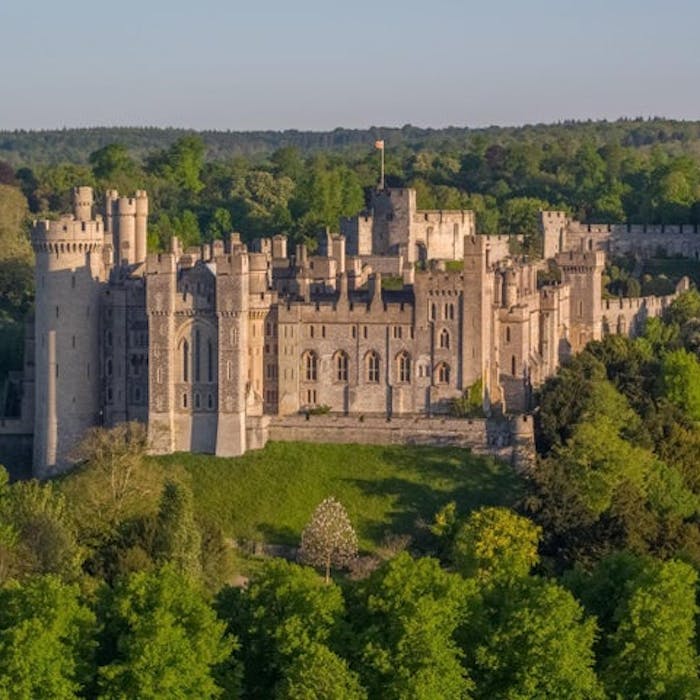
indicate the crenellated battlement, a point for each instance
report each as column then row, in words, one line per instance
column 67, row 234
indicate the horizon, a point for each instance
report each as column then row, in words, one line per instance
column 370, row 128
column 270, row 67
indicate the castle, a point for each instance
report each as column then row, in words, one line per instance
column 398, row 314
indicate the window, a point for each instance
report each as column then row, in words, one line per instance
column 108, row 368
column 185, row 362
column 197, row 400
column 210, row 401
column 184, row 400
column 404, row 367
column 444, row 338
column 364, row 332
column 372, row 367
column 443, row 373
column 449, row 312
column 507, row 334
column 310, row 366
column 311, row 396
column 398, row 332
column 197, row 355
column 512, row 365
column 341, row 367
column 354, row 332
column 433, row 312
column 210, row 361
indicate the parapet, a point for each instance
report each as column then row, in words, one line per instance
column 66, row 234
column 574, row 258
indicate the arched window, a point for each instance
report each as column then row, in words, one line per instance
column 310, row 366
column 197, row 355
column 372, row 363
column 444, row 338
column 185, row 361
column 341, row 366
column 403, row 362
column 210, row 361
column 442, row 372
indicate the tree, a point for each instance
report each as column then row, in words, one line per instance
column 328, row 539
column 182, row 163
column 282, row 620
column 494, row 545
column 114, row 482
column 44, row 535
column 646, row 609
column 680, row 379
column 319, row 673
column 46, row 640
column 405, row 622
column 530, row 640
column 178, row 540
column 160, row 639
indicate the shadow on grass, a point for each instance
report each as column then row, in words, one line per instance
column 469, row 480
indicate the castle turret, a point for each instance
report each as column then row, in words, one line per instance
column 69, row 271
column 232, row 292
column 141, row 225
column 82, row 203
column 126, row 218
column 583, row 272
column 478, row 338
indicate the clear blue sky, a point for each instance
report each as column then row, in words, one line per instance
column 317, row 65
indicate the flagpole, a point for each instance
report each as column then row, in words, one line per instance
column 381, row 182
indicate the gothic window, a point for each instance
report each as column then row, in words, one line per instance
column 310, row 366
column 403, row 362
column 210, row 361
column 372, row 363
column 197, row 355
column 185, row 362
column 341, row 367
column 444, row 338
column 443, row 373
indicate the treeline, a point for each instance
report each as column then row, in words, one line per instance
column 75, row 145
column 636, row 171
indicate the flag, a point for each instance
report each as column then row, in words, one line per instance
column 379, row 144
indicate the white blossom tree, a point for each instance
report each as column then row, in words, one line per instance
column 328, row 539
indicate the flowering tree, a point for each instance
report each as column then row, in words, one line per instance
column 329, row 539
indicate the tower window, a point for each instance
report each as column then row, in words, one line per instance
column 341, row 366
column 310, row 366
column 443, row 373
column 185, row 361
column 372, row 367
column 404, row 367
column 444, row 338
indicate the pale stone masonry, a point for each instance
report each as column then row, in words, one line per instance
column 206, row 345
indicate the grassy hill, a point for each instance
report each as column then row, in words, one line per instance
column 270, row 494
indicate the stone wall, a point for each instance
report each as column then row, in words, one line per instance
column 505, row 439
column 16, row 448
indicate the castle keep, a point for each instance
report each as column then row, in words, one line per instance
column 207, row 345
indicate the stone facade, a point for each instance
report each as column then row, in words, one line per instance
column 207, row 345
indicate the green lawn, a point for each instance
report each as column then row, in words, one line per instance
column 270, row 494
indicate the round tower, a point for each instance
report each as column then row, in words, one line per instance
column 141, row 200
column 510, row 288
column 82, row 203
column 126, row 217
column 68, row 273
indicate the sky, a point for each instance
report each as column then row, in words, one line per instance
column 214, row 64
